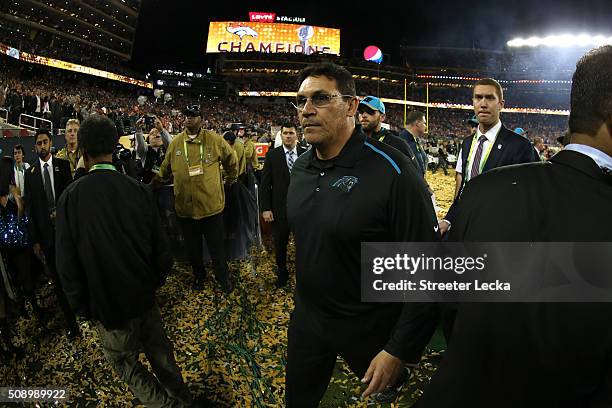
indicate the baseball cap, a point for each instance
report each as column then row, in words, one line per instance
column 374, row 103
column 520, row 131
column 473, row 120
column 192, row 110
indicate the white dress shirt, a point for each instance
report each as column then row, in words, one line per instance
column 491, row 136
column 20, row 176
column 295, row 156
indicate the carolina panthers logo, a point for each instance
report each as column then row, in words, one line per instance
column 346, row 183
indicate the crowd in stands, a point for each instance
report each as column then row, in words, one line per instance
column 548, row 96
column 58, row 47
column 63, row 95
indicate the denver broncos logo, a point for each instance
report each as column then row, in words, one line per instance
column 346, row 183
column 241, row 31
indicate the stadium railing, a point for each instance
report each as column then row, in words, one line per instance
column 24, row 124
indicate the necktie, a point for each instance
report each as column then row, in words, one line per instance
column 290, row 160
column 477, row 156
column 48, row 187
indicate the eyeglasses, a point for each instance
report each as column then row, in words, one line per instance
column 319, row 100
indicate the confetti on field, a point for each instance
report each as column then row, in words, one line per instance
column 231, row 349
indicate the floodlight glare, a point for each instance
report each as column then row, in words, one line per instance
column 562, row 41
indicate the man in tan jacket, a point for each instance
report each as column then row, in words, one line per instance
column 196, row 158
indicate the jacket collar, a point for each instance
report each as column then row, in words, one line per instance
column 602, row 159
column 198, row 139
column 580, row 162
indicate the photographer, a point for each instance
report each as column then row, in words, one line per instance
column 126, row 163
column 151, row 155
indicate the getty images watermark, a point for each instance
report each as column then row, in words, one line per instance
column 486, row 272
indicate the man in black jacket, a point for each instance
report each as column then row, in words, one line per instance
column 112, row 255
column 493, row 145
column 416, row 126
column 508, row 355
column 345, row 190
column 44, row 182
column 273, row 195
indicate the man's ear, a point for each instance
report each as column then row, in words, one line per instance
column 353, row 105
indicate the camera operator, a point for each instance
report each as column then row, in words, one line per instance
column 150, row 157
column 151, row 154
column 125, row 162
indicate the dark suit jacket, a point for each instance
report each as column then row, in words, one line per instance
column 508, row 355
column 275, row 182
column 419, row 153
column 40, row 227
column 509, row 148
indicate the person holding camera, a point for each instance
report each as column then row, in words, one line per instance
column 151, row 154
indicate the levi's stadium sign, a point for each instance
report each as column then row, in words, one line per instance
column 267, row 17
column 232, row 36
column 261, row 17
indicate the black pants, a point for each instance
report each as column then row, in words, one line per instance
column 315, row 342
column 280, row 232
column 213, row 230
column 59, row 291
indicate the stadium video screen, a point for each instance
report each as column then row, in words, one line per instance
column 272, row 38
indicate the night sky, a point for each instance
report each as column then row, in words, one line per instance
column 173, row 32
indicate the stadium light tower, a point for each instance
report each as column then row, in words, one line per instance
column 562, row 41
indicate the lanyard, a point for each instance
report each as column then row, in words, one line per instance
column 187, row 154
column 483, row 161
column 103, row 166
column 77, row 156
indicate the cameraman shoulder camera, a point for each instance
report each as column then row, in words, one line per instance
column 151, row 154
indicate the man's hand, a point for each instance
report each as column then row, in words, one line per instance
column 382, row 373
column 267, row 216
column 140, row 124
column 156, row 181
column 39, row 252
column 444, row 226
